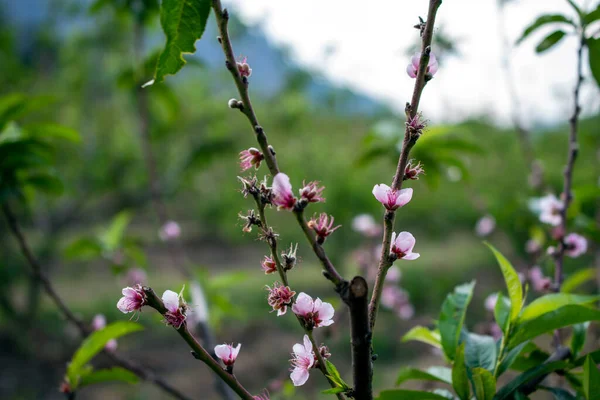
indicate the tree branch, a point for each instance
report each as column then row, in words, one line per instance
column 83, row 329
column 362, row 364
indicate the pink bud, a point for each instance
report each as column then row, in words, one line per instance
column 243, row 68
column 314, row 313
column 176, row 308
column 413, row 67
column 133, row 299
column 490, row 302
column 250, row 158
column 280, row 297
column 227, row 353
column 392, row 199
column 575, row 245
column 402, row 246
column 283, row 197
column 539, row 282
column 312, row 192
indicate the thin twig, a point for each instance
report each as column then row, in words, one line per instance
column 83, row 329
column 409, row 141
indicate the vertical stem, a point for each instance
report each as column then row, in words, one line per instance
column 362, row 365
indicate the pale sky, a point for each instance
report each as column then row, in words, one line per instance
column 371, row 38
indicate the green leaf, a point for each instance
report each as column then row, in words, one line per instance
column 595, row 355
column 335, row 376
column 108, row 375
column 510, row 358
column 551, row 302
column 113, row 236
column 434, row 374
column 50, row 130
column 45, row 182
column 541, row 21
column 577, row 279
column 508, row 391
column 183, row 22
column 578, row 339
column 549, row 41
column 334, row 390
column 591, row 379
column 559, row 394
column 592, row 16
column 594, row 57
column 480, row 352
column 83, row 249
column 513, row 283
column 94, row 343
column 422, row 334
column 460, row 379
column 452, row 317
column 564, row 316
column 484, row 384
column 575, row 7
column 502, row 312
column 409, row 395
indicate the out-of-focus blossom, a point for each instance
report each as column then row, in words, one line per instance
column 413, row 171
column 283, row 197
column 406, row 311
column 393, row 275
column 533, row 246
column 539, row 282
column 575, row 245
column 314, row 313
column 262, row 396
column 390, row 198
column 99, row 322
column 550, row 209
column 402, row 246
column 490, row 302
column 268, row 265
column 227, row 353
column 176, row 308
column 169, row 231
column 133, row 299
column 485, row 225
column 280, row 297
column 136, row 276
column 323, row 226
column 302, row 361
column 312, row 192
column 413, row 67
column 495, row 331
column 366, row 225
column 250, row 158
column 243, row 68
column 397, row 300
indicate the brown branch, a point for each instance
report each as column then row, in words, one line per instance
column 410, row 138
column 198, row 351
column 362, row 365
column 84, row 330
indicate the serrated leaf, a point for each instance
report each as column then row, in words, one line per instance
column 409, row 395
column 560, row 318
column 460, row 379
column 94, row 343
column 513, row 283
column 423, row 334
column 509, row 390
column 434, row 374
column 452, row 317
column 113, row 374
column 551, row 302
column 484, row 384
column 577, row 279
column 550, row 41
column 591, row 379
column 594, row 57
column 480, row 352
column 183, row 22
column 542, row 21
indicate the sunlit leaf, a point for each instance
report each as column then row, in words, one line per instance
column 577, row 279
column 510, row 358
column 423, row 334
column 502, row 312
column 551, row 302
column 435, row 374
column 114, row 374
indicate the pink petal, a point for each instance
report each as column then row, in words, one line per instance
column 124, row 305
column 411, row 256
column 308, row 347
column 299, row 376
column 415, row 60
column 223, row 351
column 411, row 71
column 404, row 197
column 282, row 185
column 129, row 292
column 111, row 345
column 325, row 310
column 304, row 304
column 236, row 350
column 381, row 192
column 405, row 242
column 433, row 67
column 171, row 300
column 99, row 322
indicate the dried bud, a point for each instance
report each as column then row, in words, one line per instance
column 249, row 186
column 323, row 226
column 280, row 297
column 289, row 258
column 413, row 172
column 249, row 219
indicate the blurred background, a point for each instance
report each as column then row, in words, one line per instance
column 329, row 86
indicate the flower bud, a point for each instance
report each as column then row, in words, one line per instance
column 243, row 68
column 323, row 226
column 227, row 353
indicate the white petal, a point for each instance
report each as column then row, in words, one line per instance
column 304, row 304
column 222, row 351
column 299, row 376
column 404, row 197
column 236, row 350
column 122, row 305
column 405, row 242
column 308, row 346
column 381, row 192
column 170, row 300
column 411, row 256
column 281, row 184
column 325, row 310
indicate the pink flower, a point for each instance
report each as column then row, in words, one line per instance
column 282, row 192
column 170, row 230
column 532, row 246
column 312, row 192
column 490, row 302
column 413, row 67
column 136, row 276
column 314, row 313
column 268, row 265
column 366, row 225
column 99, row 322
column 575, row 245
column 243, row 68
column 133, row 299
column 303, row 361
column 485, row 225
column 280, row 297
column 390, row 198
column 550, row 210
column 176, row 308
column 539, row 282
column 323, row 226
column 402, row 246
column 227, row 353
column 250, row 158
